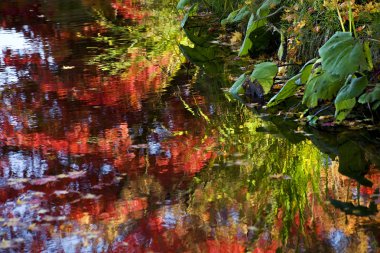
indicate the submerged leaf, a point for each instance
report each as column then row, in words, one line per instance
column 343, row 55
column 264, row 74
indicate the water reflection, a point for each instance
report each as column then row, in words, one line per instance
column 123, row 155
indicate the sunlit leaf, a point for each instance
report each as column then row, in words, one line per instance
column 236, row 16
column 287, row 91
column 251, row 27
column 306, row 70
column 256, row 21
column 182, row 4
column 343, row 108
column 368, row 55
column 343, row 55
column 264, row 74
column 237, row 87
column 247, row 43
column 280, row 51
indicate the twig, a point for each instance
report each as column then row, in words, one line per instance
column 322, row 109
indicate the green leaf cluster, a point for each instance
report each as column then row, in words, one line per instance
column 337, row 76
column 256, row 20
column 263, row 73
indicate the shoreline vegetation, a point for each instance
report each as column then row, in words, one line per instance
column 316, row 61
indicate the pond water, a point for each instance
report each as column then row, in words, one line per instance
column 112, row 142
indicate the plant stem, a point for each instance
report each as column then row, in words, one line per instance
column 340, row 17
column 351, row 17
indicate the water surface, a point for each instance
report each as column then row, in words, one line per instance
column 112, row 142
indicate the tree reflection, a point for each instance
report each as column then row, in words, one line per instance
column 127, row 156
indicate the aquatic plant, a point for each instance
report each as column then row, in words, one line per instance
column 341, row 73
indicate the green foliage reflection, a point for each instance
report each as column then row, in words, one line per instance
column 268, row 179
column 155, row 34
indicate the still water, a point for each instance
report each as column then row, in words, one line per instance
column 112, row 142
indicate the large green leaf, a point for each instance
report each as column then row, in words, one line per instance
column 265, row 7
column 237, row 87
column 343, row 55
column 288, row 90
column 256, row 21
column 371, row 97
column 236, row 16
column 343, row 108
column 306, row 70
column 252, row 26
column 346, row 98
column 264, row 74
column 321, row 85
column 353, row 87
